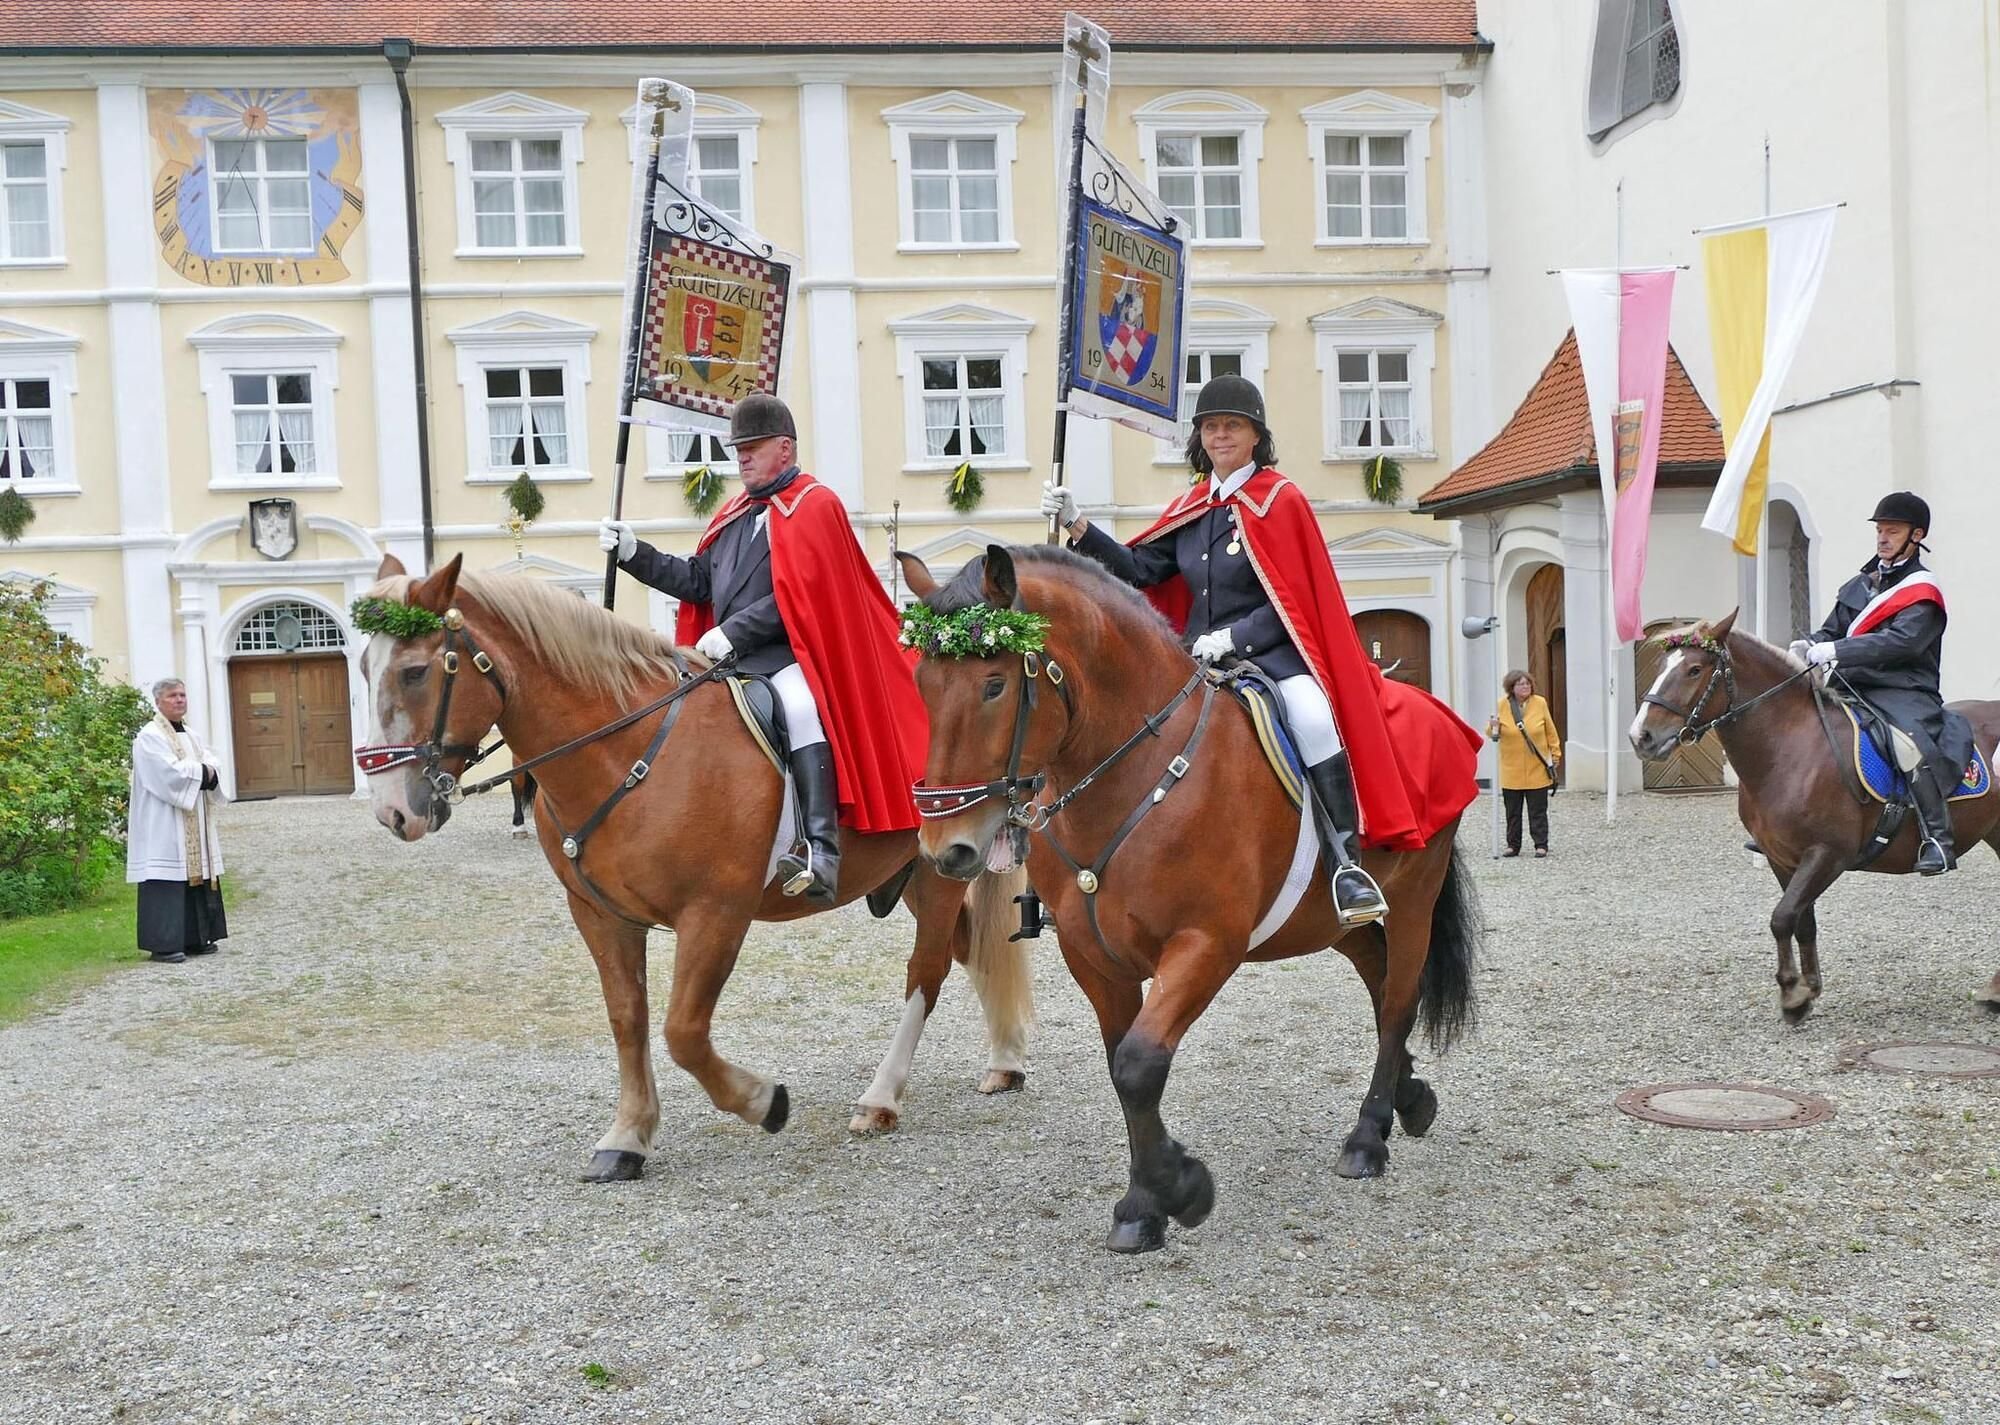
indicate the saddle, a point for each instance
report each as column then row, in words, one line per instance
column 1884, row 755
column 1259, row 696
column 763, row 715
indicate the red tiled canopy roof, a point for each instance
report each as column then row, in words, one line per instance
column 1549, row 438
column 741, row 24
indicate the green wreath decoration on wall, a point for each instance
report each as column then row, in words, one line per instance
column 1382, row 478
column 701, row 487
column 16, row 514
column 964, row 489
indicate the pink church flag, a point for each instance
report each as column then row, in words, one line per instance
column 1645, row 306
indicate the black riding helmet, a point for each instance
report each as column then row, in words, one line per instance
column 759, row 417
column 1231, row 396
column 1904, row 507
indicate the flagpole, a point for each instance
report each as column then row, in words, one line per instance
column 661, row 100
column 1610, row 594
column 1065, row 339
column 1759, row 572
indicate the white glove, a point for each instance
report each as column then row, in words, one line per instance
column 1820, row 653
column 1059, row 503
column 1801, row 648
column 713, row 645
column 1213, row 647
column 617, row 535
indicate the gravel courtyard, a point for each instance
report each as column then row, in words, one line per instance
column 331, row 1173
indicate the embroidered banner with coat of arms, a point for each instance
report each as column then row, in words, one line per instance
column 1128, row 310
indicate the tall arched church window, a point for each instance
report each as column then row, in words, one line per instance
column 1635, row 61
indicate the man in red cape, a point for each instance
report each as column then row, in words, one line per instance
column 1239, row 561
column 779, row 581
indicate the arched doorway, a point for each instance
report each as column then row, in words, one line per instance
column 1548, row 647
column 1399, row 643
column 1789, row 582
column 288, row 701
column 1690, row 767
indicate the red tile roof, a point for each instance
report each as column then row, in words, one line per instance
column 755, row 24
column 1550, row 436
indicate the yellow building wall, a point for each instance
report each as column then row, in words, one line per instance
column 95, row 511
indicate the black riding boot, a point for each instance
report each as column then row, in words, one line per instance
column 814, row 870
column 1355, row 895
column 1935, row 854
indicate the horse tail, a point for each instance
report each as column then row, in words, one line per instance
column 1001, row 969
column 1457, row 927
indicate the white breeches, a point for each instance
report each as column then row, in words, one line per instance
column 1311, row 717
column 802, row 714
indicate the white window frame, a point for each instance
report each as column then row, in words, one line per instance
column 519, row 339
column 1377, row 324
column 1205, row 112
column 517, row 176
column 21, row 124
column 953, row 114
column 30, row 353
column 68, row 607
column 1370, row 113
column 261, row 344
column 514, row 116
column 1217, row 325
column 661, row 463
column 716, row 114
column 961, row 330
column 1605, row 119
column 259, row 180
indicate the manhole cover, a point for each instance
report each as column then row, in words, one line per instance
column 1739, row 1108
column 1939, row 1061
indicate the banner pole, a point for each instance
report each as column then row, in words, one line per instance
column 1065, row 334
column 661, row 101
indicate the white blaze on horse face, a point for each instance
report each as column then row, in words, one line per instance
column 1638, row 732
column 390, row 794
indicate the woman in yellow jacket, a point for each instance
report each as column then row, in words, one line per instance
column 1530, row 753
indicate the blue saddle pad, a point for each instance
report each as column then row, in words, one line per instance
column 1885, row 780
column 1259, row 696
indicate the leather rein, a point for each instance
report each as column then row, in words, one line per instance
column 1026, row 814
column 446, row 787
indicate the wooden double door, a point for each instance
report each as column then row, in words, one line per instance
column 1399, row 643
column 291, row 726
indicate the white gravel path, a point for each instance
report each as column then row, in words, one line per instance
column 330, row 1174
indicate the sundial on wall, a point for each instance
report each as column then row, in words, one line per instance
column 256, row 187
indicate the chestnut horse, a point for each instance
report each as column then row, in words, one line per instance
column 687, row 846
column 1182, row 896
column 1799, row 800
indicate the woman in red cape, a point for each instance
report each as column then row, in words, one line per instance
column 1239, row 563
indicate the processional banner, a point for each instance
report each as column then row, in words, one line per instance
column 1128, row 310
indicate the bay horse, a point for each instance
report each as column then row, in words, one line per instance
column 686, row 846
column 1100, row 724
column 1799, row 801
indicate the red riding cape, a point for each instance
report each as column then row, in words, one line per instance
column 844, row 630
column 1413, row 758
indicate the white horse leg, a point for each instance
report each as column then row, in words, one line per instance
column 880, row 1108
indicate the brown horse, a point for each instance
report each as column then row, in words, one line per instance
column 1183, row 893
column 1801, row 805
column 688, row 845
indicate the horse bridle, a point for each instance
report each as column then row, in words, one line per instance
column 430, row 755
column 1023, row 810
column 1693, row 729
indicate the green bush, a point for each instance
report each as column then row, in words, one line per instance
column 65, row 759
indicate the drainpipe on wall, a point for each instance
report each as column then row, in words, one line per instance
column 397, row 53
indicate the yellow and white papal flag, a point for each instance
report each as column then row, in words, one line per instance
column 1762, row 278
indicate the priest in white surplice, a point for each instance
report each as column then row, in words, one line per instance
column 172, row 851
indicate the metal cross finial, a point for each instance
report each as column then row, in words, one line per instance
column 1080, row 45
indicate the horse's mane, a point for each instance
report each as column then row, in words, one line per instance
column 968, row 586
column 580, row 642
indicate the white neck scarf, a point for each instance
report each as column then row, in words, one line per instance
column 1221, row 487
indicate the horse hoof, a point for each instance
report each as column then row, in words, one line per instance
column 1362, row 1160
column 871, row 1121
column 612, row 1165
column 1003, row 1081
column 1200, row 1198
column 1148, row 1234
column 779, row 1111
column 1421, row 1113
